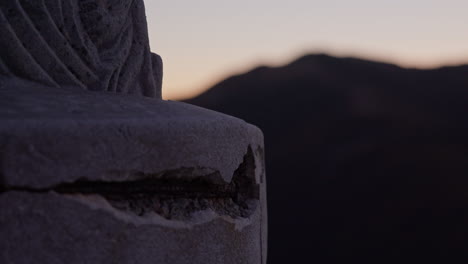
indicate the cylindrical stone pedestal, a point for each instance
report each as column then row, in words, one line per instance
column 93, row 177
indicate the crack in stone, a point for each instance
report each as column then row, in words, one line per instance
column 172, row 195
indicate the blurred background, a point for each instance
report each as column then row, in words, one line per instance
column 363, row 107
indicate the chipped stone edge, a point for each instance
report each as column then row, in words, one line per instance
column 97, row 202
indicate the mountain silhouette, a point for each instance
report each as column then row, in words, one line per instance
column 366, row 161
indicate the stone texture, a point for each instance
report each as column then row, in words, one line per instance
column 103, row 136
column 53, row 140
column 51, row 137
column 79, row 44
column 95, row 168
column 51, row 228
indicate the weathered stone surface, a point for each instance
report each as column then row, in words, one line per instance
column 93, row 177
column 52, row 228
column 93, row 172
column 79, row 44
column 100, row 136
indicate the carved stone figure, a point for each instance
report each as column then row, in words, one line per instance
column 82, row 44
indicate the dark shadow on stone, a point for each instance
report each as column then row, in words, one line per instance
column 171, row 194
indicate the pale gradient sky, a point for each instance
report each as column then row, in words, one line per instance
column 204, row 41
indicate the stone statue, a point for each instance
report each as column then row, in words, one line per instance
column 82, row 44
column 96, row 168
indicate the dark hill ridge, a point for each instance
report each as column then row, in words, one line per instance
column 365, row 160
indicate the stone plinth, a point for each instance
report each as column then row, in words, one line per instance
column 93, row 177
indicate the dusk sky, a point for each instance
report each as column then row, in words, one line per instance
column 202, row 42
